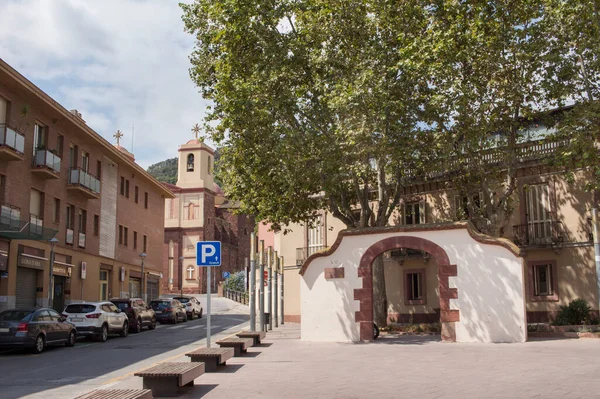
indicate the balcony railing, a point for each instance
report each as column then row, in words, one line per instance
column 44, row 158
column 81, row 240
column 10, row 216
column 539, row 234
column 36, row 225
column 303, row 253
column 9, row 137
column 84, row 179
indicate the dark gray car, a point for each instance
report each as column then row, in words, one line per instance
column 35, row 329
column 169, row 310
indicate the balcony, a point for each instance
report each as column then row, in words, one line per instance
column 46, row 164
column 549, row 233
column 12, row 144
column 83, row 183
column 36, row 226
column 10, row 217
column 81, row 242
column 303, row 253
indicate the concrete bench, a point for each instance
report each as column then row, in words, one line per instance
column 171, row 379
column 257, row 336
column 240, row 345
column 118, row 394
column 211, row 357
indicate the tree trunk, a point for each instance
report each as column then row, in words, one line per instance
column 379, row 293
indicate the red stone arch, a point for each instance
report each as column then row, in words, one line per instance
column 365, row 295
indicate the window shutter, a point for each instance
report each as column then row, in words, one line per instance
column 422, row 214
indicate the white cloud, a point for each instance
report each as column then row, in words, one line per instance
column 119, row 62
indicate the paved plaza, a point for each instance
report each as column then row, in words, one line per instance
column 407, row 367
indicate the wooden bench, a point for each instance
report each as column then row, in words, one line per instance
column 118, row 394
column 257, row 336
column 211, row 357
column 240, row 345
column 171, row 379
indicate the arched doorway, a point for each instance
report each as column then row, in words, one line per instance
column 445, row 270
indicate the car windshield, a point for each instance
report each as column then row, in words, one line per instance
column 160, row 304
column 183, row 300
column 122, row 305
column 80, row 308
column 16, row 315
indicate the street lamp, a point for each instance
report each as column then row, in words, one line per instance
column 181, row 258
column 52, row 242
column 143, row 257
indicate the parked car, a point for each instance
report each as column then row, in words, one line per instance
column 138, row 312
column 193, row 307
column 35, row 329
column 97, row 319
column 169, row 310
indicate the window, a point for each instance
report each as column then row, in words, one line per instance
column 125, row 235
column 39, row 137
column 315, row 237
column 542, row 281
column 146, row 200
column 60, row 142
column 126, row 188
column 539, row 217
column 414, row 213
column 82, row 220
column 56, row 211
column 96, row 224
column 120, row 235
column 463, row 208
column 72, row 156
column 136, row 194
column 122, row 185
column 191, row 211
column 415, row 287
column 190, row 272
column 145, row 242
column 36, row 203
column 190, row 163
column 99, row 170
column 70, row 217
column 135, row 240
column 85, row 161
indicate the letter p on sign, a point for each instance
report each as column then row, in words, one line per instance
column 208, row 253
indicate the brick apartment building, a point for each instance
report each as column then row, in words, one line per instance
column 200, row 212
column 60, row 179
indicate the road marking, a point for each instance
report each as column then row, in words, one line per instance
column 175, row 327
column 193, row 328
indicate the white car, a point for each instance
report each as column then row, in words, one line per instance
column 97, row 319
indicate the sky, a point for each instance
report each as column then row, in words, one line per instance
column 122, row 63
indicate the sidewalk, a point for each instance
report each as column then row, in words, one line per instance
column 423, row 367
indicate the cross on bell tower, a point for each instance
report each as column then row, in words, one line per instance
column 196, row 130
column 118, row 136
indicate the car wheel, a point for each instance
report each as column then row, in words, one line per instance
column 40, row 344
column 103, row 334
column 200, row 313
column 138, row 326
column 193, row 315
column 152, row 325
column 185, row 317
column 125, row 330
column 72, row 339
column 176, row 318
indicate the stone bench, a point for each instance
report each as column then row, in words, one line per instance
column 240, row 345
column 211, row 357
column 118, row 394
column 257, row 336
column 171, row 379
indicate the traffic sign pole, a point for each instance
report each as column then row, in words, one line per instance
column 208, row 254
column 270, row 288
column 208, row 307
column 261, row 289
column 252, row 282
column 276, row 291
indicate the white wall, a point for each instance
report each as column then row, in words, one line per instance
column 490, row 287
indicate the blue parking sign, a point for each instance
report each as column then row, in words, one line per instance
column 208, row 253
column 226, row 274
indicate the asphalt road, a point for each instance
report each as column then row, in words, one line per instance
column 65, row 372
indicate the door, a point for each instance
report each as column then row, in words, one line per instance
column 61, row 328
column 539, row 217
column 152, row 290
column 44, row 323
column 134, row 287
column 103, row 285
column 111, row 316
column 26, row 287
column 58, row 303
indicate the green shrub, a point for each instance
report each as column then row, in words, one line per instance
column 577, row 312
column 235, row 282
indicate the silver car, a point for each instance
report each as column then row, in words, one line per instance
column 193, row 307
